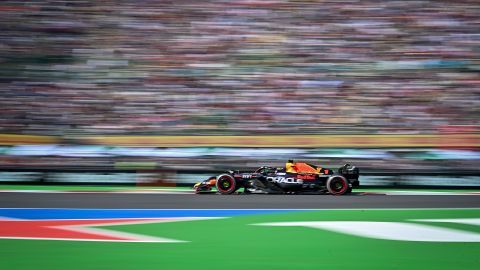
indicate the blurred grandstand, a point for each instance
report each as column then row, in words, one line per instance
column 219, row 67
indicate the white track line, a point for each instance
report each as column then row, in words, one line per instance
column 188, row 192
column 242, row 209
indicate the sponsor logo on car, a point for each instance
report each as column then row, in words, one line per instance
column 281, row 179
column 306, row 177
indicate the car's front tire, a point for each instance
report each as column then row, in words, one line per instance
column 226, row 184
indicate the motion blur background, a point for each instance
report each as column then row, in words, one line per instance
column 201, row 86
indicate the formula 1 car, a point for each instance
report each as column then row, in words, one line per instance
column 295, row 178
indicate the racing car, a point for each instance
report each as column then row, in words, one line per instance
column 294, row 178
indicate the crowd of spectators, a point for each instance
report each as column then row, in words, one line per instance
column 239, row 67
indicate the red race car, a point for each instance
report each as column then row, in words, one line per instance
column 294, row 178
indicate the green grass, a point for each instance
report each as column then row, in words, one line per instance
column 85, row 187
column 233, row 243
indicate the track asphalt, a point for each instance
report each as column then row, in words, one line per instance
column 214, row 201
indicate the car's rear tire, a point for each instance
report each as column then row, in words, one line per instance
column 226, row 184
column 337, row 185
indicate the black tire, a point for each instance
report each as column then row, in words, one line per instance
column 337, row 185
column 226, row 184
